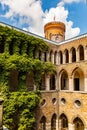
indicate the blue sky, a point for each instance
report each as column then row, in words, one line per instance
column 32, row 15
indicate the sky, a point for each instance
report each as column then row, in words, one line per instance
column 32, row 15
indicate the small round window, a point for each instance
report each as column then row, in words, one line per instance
column 43, row 102
column 77, row 103
column 54, row 101
column 63, row 101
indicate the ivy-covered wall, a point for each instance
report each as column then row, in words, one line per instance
column 18, row 62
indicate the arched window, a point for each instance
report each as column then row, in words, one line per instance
column 13, row 80
column 73, row 54
column 42, row 83
column 52, row 82
column 1, row 48
column 55, row 57
column 66, row 56
column 51, row 55
column 30, row 81
column 64, row 81
column 78, row 79
column 78, row 124
column 45, row 56
column 53, row 122
column 43, row 123
column 81, row 52
column 11, row 48
column 39, row 55
column 60, row 57
column 64, row 121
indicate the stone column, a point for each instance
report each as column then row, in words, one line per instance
column 64, row 58
column 59, row 58
column 48, row 82
column 53, row 58
column 70, row 83
column 77, row 55
column 48, row 126
column 1, row 114
column 37, row 54
column 85, row 53
column 47, row 56
column 85, row 83
column 42, row 57
column 56, row 82
column 71, row 126
column 57, row 124
column 60, row 124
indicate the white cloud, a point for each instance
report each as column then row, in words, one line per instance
column 69, row 2
column 30, row 12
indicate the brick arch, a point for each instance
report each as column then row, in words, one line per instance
column 61, row 71
column 73, row 54
column 64, row 121
column 55, row 57
column 80, row 50
column 42, row 123
column 64, row 80
column 53, row 121
column 78, row 79
column 80, row 117
column 66, row 53
column 74, row 69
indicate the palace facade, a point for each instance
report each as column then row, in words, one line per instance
column 64, row 94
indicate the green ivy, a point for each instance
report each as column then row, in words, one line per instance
column 19, row 106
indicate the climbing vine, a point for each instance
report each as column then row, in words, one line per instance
column 16, row 53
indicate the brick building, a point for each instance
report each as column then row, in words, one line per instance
column 64, row 94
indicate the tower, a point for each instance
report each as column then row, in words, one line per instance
column 55, row 31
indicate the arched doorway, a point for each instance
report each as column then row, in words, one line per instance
column 66, row 56
column 52, row 82
column 78, row 124
column 53, row 122
column 81, row 52
column 64, row 81
column 43, row 123
column 78, row 79
column 63, row 122
column 73, row 51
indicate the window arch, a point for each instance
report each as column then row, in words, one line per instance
column 1, row 47
column 73, row 52
column 78, row 79
column 66, row 56
column 42, row 83
column 64, row 80
column 11, row 48
column 64, row 121
column 52, row 82
column 55, row 57
column 45, row 56
column 43, row 123
column 81, row 52
column 53, row 122
column 40, row 54
column 78, row 124
column 13, row 80
column 60, row 57
column 30, row 81
column 51, row 55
